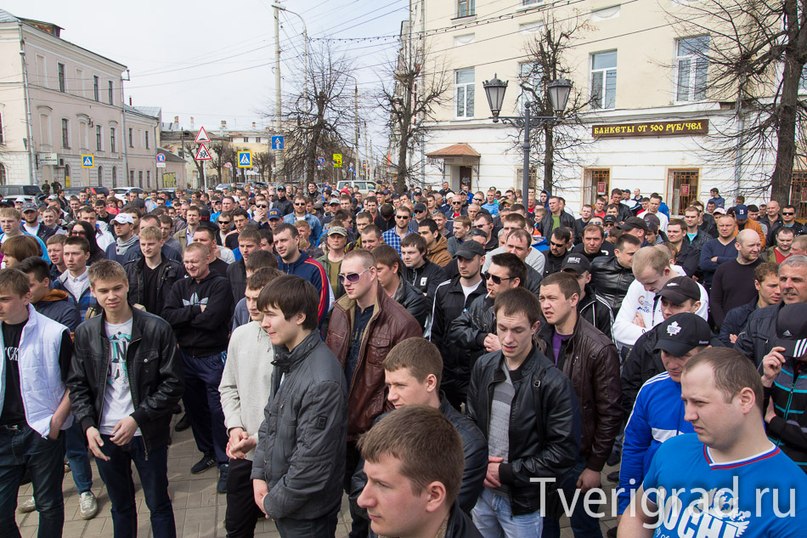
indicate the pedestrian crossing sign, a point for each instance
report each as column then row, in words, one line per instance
column 87, row 160
column 244, row 159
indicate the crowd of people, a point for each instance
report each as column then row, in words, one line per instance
column 456, row 363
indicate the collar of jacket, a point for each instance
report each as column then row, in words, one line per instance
column 532, row 364
column 546, row 332
column 54, row 296
column 347, row 304
column 285, row 360
column 136, row 331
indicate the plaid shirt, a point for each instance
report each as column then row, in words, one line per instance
column 392, row 239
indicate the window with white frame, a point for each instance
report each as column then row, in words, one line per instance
column 464, row 92
column 60, row 69
column 99, row 142
column 603, row 80
column 111, row 93
column 65, row 133
column 529, row 74
column 2, row 137
column 95, row 89
column 692, row 66
column 113, row 143
column 466, row 8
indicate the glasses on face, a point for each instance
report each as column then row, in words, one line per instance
column 224, row 222
column 262, row 206
column 495, row 279
column 456, row 203
column 477, row 199
column 788, row 213
column 402, row 217
column 350, row 277
column 299, row 203
column 559, row 245
column 78, row 232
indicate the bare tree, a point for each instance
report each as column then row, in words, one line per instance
column 187, row 149
column 264, row 162
column 756, row 55
column 409, row 101
column 222, row 152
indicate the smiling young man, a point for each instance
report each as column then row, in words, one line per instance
column 125, row 379
column 299, row 461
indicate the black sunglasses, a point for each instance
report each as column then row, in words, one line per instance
column 404, row 217
column 224, row 222
column 262, row 206
column 495, row 279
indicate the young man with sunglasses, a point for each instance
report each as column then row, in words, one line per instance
column 403, row 227
column 364, row 326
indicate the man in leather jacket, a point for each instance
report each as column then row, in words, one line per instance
column 126, row 422
column 388, row 265
column 150, row 275
column 527, row 409
column 611, row 276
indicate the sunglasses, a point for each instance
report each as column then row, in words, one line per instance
column 299, row 203
column 224, row 222
column 351, row 277
column 495, row 279
column 559, row 245
column 789, row 213
column 456, row 203
column 262, row 206
column 402, row 217
column 477, row 199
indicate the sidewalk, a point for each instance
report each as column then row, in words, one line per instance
column 198, row 509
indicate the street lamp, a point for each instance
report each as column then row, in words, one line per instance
column 558, row 91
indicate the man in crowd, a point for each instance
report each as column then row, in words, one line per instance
column 371, row 237
column 53, row 303
column 294, row 262
column 436, row 244
column 199, row 309
column 559, row 243
column 719, row 250
column 249, row 241
column 151, row 277
column 185, row 236
column 31, row 224
column 220, row 257
column 590, row 307
column 556, row 218
column 772, row 219
column 423, row 274
column 612, row 276
column 127, row 423
column 788, row 221
column 402, row 228
column 300, row 213
column 733, row 282
column 484, row 222
column 592, row 243
column 123, row 224
column 781, row 250
column 75, row 280
column 388, row 266
column 766, row 283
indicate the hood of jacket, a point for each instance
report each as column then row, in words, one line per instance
column 54, row 296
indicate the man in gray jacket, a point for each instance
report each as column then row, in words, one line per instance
column 299, row 462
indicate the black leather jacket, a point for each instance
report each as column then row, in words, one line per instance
column 169, row 272
column 155, row 375
column 597, row 311
column 753, row 341
column 414, row 302
column 610, row 280
column 544, row 428
column 466, row 335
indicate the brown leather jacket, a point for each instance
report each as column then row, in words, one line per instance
column 389, row 324
column 592, row 363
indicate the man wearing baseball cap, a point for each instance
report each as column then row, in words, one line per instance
column 744, row 223
column 591, row 306
column 635, row 226
column 124, row 226
column 31, row 223
column 658, row 414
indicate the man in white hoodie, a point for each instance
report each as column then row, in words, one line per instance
column 245, row 386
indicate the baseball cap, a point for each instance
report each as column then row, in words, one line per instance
column 334, row 201
column 274, row 214
column 468, row 249
column 53, row 197
column 632, row 223
column 30, row 206
column 719, row 211
column 681, row 333
column 123, row 218
column 791, row 330
column 337, row 230
column 420, row 207
column 281, row 188
column 610, row 219
column 577, row 263
column 741, row 212
column 680, row 288
column 204, row 214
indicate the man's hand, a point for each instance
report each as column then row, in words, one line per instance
column 94, row 442
column 772, row 365
column 239, row 444
column 123, row 431
column 770, row 412
column 733, row 338
column 260, row 490
column 638, row 320
column 492, row 343
column 589, row 480
column 202, row 307
column 492, row 476
column 714, row 259
column 56, row 423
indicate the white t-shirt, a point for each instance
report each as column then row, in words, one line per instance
column 468, row 290
column 117, row 395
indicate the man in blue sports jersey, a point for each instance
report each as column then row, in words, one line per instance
column 728, row 479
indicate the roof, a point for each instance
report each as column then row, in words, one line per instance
column 170, row 157
column 148, row 111
column 5, row 16
column 457, row 150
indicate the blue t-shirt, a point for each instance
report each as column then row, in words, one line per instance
column 698, row 497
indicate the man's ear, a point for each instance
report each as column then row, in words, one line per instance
column 435, row 496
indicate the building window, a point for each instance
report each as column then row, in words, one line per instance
column 114, row 176
column 464, row 93
column 798, row 192
column 131, row 137
column 683, row 189
column 61, row 77
column 65, row 133
column 258, row 140
column 98, row 141
column 597, row 182
column 95, row 90
column 113, row 145
column 466, row 8
column 246, row 140
column 131, row 178
column 2, row 137
column 111, row 93
column 148, row 178
column 603, row 80
column 147, row 139
column 2, row 174
column 692, row 66
column 529, row 74
column 100, row 175
column 140, row 179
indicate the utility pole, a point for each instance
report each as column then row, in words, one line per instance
column 278, row 108
column 356, row 113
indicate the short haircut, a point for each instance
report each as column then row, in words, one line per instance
column 364, row 215
column 417, row 354
column 518, row 301
column 372, row 229
column 292, row 295
column 656, row 258
column 21, row 247
column 414, row 240
column 515, row 218
column 34, row 266
column 594, row 228
column 627, row 239
column 193, row 208
column 404, row 209
column 515, row 267
column 132, row 210
column 484, row 216
column 366, row 257
column 151, row 233
column 678, row 222
column 106, row 270
column 794, row 261
column 387, row 256
column 465, row 221
column 567, row 283
column 56, row 239
column 301, row 224
column 78, row 241
column 428, row 223
column 250, row 234
column 262, row 277
column 198, row 247
column 785, row 230
column 239, row 212
column 800, row 242
column 764, row 270
column 563, row 233
column 521, row 234
column 260, row 259
column 165, row 219
column 14, row 281
column 266, row 233
column 732, row 372
column 286, row 227
column 150, row 217
column 10, row 213
column 426, row 444
column 207, row 230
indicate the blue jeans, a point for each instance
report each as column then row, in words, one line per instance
column 117, row 476
column 493, row 518
column 203, row 403
column 583, row 525
column 22, row 448
column 78, row 458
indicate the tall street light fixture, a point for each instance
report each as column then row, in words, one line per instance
column 558, row 91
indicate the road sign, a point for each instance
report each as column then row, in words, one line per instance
column 337, row 160
column 321, row 162
column 201, row 136
column 203, row 154
column 160, row 158
column 245, row 159
column 278, row 142
column 87, row 160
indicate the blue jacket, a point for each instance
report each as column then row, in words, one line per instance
column 312, row 271
column 316, row 225
column 658, row 415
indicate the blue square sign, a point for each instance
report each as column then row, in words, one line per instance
column 278, row 142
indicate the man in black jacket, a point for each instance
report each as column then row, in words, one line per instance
column 199, row 309
column 424, row 275
column 591, row 307
column 556, row 218
column 611, row 277
column 151, row 276
column 249, row 241
column 559, row 243
column 766, row 281
column 527, row 409
column 126, row 423
column 388, row 265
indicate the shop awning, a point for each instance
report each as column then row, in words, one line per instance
column 456, row 150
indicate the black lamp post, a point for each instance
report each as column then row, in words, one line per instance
column 558, row 91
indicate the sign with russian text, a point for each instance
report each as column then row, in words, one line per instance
column 656, row 128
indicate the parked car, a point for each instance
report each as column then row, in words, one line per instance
column 73, row 191
column 363, row 186
column 123, row 192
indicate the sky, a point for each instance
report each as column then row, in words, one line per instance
column 214, row 60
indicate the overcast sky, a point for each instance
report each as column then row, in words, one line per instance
column 214, row 60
